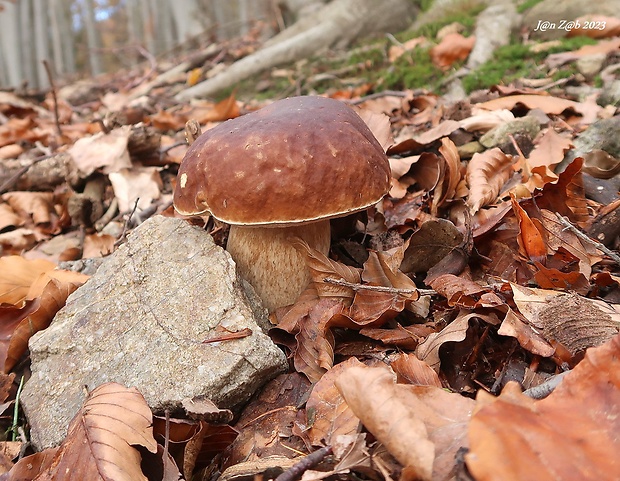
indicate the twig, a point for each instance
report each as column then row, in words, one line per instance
column 366, row 287
column 126, row 224
column 305, row 464
column 50, row 77
column 566, row 223
column 543, row 390
column 378, row 95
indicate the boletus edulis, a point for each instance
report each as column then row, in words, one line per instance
column 281, row 172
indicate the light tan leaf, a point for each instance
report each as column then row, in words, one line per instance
column 456, row 331
column 143, row 183
column 410, row 370
column 17, row 276
column 423, row 427
column 549, row 149
column 571, row 435
column 605, row 46
column 546, row 103
column 528, row 338
column 379, row 125
column 486, row 175
column 57, row 286
column 102, row 151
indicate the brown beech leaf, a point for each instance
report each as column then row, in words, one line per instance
column 8, row 217
column 141, row 184
column 605, row 46
column 452, row 48
column 567, row 196
column 321, row 268
column 410, row 370
column 552, row 278
column 435, row 239
column 464, row 292
column 421, row 426
column 101, row 439
column 379, row 124
column 32, row 467
column 531, row 241
column 527, row 337
column 403, row 337
column 456, row 331
column 549, row 149
column 452, row 175
column 377, row 307
column 570, row 435
column 57, row 287
column 574, row 321
column 486, row 175
column 17, row 275
column 328, row 415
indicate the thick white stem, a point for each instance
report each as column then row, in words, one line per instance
column 267, row 260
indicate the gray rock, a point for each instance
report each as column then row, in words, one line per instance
column 603, row 134
column 141, row 321
column 493, row 29
column 527, row 125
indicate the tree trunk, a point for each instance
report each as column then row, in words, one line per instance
column 337, row 23
column 41, row 42
column 27, row 45
column 189, row 19
column 92, row 35
column 56, row 34
column 10, row 55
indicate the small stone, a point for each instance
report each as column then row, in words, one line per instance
column 590, row 65
column 528, row 126
column 141, row 321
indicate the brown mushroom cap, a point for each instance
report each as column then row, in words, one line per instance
column 297, row 160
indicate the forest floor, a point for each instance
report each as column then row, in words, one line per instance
column 469, row 329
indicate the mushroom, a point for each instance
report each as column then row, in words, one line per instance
column 281, row 172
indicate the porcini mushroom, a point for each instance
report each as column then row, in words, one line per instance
column 279, row 172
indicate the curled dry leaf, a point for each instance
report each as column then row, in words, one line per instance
column 410, row 370
column 464, row 292
column 102, row 151
column 421, row 426
column 452, row 48
column 321, row 268
column 329, row 416
column 531, row 241
column 57, row 287
column 486, row 175
column 17, row 276
column 570, row 435
column 101, row 439
column 142, row 184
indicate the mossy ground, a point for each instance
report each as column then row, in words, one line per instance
column 368, row 63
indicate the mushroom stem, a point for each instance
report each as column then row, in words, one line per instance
column 266, row 259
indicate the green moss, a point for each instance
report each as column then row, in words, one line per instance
column 515, row 61
column 527, row 5
column 413, row 69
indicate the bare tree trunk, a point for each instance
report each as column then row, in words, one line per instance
column 148, row 23
column 67, row 36
column 92, row 35
column 27, row 48
column 41, row 42
column 337, row 23
column 189, row 19
column 56, row 34
column 10, row 54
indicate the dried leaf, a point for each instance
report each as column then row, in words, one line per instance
column 486, row 175
column 456, row 331
column 452, row 48
column 101, row 439
column 549, row 149
column 102, row 151
column 435, row 239
column 531, row 241
column 329, row 416
column 410, row 370
column 464, row 293
column 528, row 338
column 321, row 268
column 570, row 435
column 421, row 426
column 142, row 184
column 17, row 275
column 605, row 26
